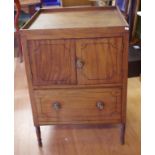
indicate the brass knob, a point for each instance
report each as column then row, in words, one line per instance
column 56, row 105
column 80, row 63
column 100, row 105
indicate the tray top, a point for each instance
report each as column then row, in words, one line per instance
column 70, row 18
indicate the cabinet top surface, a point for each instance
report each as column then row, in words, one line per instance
column 62, row 18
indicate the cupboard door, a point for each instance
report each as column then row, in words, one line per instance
column 99, row 60
column 52, row 61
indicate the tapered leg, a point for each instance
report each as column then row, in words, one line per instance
column 38, row 132
column 122, row 135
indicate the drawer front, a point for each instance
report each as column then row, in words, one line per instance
column 52, row 62
column 78, row 105
column 99, row 61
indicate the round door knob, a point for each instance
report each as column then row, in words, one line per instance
column 56, row 105
column 79, row 63
column 100, row 105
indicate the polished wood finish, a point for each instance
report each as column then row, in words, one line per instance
column 77, row 67
column 56, row 65
column 102, row 60
column 74, row 139
column 68, row 30
column 78, row 106
column 77, row 19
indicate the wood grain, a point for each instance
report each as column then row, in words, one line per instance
column 74, row 139
column 99, row 60
column 102, row 60
column 125, row 75
column 77, row 19
column 52, row 62
column 78, row 105
column 72, row 33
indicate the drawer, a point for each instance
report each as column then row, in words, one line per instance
column 78, row 105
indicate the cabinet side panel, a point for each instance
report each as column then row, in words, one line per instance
column 29, row 78
column 125, row 75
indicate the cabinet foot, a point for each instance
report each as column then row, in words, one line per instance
column 122, row 134
column 38, row 132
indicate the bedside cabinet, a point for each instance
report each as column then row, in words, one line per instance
column 76, row 65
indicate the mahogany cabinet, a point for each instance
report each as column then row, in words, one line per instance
column 76, row 64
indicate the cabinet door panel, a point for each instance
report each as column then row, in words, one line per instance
column 52, row 62
column 101, row 60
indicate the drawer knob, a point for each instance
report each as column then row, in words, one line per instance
column 56, row 105
column 100, row 105
column 80, row 63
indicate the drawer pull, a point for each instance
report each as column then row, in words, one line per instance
column 100, row 105
column 79, row 63
column 56, row 105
